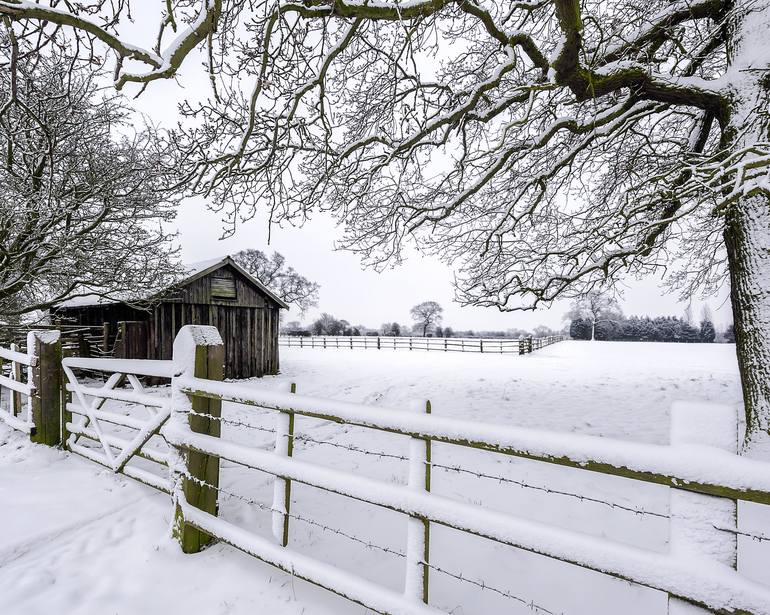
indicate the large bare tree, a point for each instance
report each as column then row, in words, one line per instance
column 541, row 146
column 81, row 207
column 281, row 278
column 426, row 316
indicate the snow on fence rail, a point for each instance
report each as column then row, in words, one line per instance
column 183, row 431
column 443, row 344
column 697, row 466
column 34, row 376
column 132, row 445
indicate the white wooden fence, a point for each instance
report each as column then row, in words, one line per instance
column 180, row 428
column 440, row 344
column 30, row 379
column 17, row 381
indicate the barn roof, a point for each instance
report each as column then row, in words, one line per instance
column 194, row 272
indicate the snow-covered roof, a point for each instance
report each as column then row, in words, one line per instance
column 193, row 271
column 85, row 301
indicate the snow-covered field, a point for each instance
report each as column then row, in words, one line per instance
column 83, row 541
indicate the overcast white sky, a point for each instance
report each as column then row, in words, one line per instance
column 364, row 296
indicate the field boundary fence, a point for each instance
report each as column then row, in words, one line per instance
column 499, row 345
column 175, row 443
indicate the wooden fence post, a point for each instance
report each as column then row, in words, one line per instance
column 284, row 446
column 46, row 379
column 105, row 337
column 418, row 530
column 198, row 351
column 378, row 342
column 696, row 517
column 16, row 375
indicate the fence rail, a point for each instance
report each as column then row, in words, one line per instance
column 31, row 379
column 181, row 434
column 700, row 471
column 85, row 413
column 442, row 344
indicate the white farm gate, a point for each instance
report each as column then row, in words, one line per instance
column 121, row 435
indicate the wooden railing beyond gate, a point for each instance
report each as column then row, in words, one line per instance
column 438, row 344
column 30, row 379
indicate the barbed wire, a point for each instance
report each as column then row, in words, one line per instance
column 296, row 517
column 374, row 546
column 737, row 532
column 484, row 586
column 478, row 474
column 350, row 447
column 549, row 490
column 228, row 421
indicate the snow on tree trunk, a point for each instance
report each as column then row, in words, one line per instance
column 747, row 238
column 747, row 228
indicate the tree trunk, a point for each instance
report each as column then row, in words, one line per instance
column 747, row 221
column 747, row 238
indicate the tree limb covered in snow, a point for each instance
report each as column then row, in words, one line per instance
column 81, row 208
column 542, row 147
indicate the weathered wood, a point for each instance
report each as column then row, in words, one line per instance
column 248, row 324
column 223, row 287
column 105, row 337
column 46, row 380
column 201, row 467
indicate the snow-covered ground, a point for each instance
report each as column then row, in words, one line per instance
column 83, row 541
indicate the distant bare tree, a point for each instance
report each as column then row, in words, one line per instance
column 81, row 208
column 390, row 329
column 327, row 324
column 543, row 331
column 688, row 317
column 274, row 273
column 426, row 315
column 597, row 307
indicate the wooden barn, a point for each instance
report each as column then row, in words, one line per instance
column 219, row 293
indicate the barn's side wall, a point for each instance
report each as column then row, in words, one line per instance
column 248, row 324
column 250, row 334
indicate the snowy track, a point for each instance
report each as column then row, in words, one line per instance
column 86, row 523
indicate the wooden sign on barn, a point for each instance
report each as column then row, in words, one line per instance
column 218, row 292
